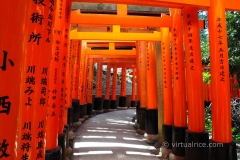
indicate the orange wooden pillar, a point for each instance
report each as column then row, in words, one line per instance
column 179, row 100
column 141, row 74
column 98, row 95
column 66, row 61
column 106, row 102
column 151, row 121
column 76, row 49
column 82, row 78
column 90, row 88
column 113, row 103
column 122, row 98
column 133, row 101
column 76, row 58
column 221, row 111
column 53, row 118
column 21, row 71
column 196, row 121
column 167, row 88
column 84, row 96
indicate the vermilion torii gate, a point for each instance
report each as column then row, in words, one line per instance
column 34, row 60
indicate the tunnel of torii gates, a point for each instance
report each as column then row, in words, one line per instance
column 47, row 75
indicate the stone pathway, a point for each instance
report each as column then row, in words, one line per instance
column 111, row 136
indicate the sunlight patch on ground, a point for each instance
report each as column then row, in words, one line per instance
column 101, row 131
column 92, row 152
column 104, row 144
column 132, row 139
column 111, row 137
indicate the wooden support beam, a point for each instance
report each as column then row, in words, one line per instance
column 122, row 20
column 112, row 56
column 115, row 36
column 233, row 5
column 111, row 52
column 111, row 60
column 106, row 44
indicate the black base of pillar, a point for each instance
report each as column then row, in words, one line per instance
column 133, row 104
column 167, row 136
column 89, row 109
column 198, row 149
column 122, row 101
column 84, row 109
column 151, row 121
column 70, row 116
column 113, row 104
column 137, row 109
column 98, row 104
column 76, row 110
column 62, row 143
column 178, row 139
column 106, row 105
column 222, row 151
column 67, row 134
column 141, row 118
column 81, row 113
column 207, row 103
column 55, row 154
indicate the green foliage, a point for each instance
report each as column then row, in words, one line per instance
column 233, row 33
column 204, row 38
column 235, row 134
column 206, row 77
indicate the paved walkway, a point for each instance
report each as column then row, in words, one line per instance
column 111, row 136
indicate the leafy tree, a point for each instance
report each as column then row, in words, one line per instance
column 233, row 33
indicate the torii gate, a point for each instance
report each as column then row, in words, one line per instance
column 24, row 73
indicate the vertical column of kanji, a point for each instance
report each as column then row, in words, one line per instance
column 41, row 104
column 63, row 59
column 67, row 104
column 30, row 145
column 69, row 74
column 142, row 90
column 90, row 87
column 106, row 102
column 76, row 63
column 52, row 148
column 179, row 100
column 85, row 85
column 167, row 90
column 196, row 126
column 113, row 103
column 82, row 78
column 15, row 32
column 75, row 79
column 133, row 101
column 122, row 97
column 151, row 120
column 220, row 96
column 98, row 95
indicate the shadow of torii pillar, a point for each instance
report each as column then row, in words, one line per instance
column 122, row 98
